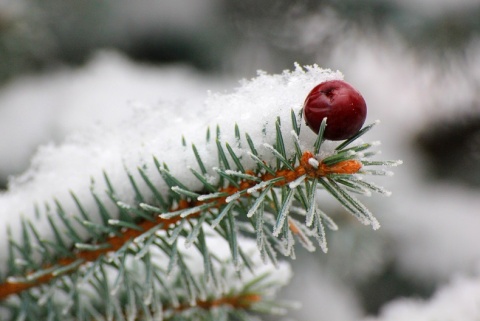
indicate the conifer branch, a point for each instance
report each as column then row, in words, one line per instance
column 273, row 199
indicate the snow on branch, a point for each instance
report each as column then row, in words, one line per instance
column 103, row 197
column 78, row 165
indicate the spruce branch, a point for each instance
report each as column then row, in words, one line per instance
column 284, row 180
column 265, row 190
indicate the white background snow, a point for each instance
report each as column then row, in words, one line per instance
column 429, row 229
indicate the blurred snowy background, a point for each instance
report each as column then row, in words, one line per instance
column 66, row 65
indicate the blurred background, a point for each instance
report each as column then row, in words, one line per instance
column 68, row 64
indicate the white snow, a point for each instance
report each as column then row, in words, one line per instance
column 36, row 110
column 322, row 295
column 154, row 130
column 429, row 230
column 458, row 300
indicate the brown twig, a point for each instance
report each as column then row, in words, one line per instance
column 235, row 301
column 116, row 242
column 241, row 301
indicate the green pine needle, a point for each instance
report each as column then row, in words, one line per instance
column 238, row 202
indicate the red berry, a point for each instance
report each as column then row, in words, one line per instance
column 343, row 106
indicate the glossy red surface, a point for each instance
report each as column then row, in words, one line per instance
column 343, row 106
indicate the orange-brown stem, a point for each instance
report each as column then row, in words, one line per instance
column 242, row 301
column 116, row 242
